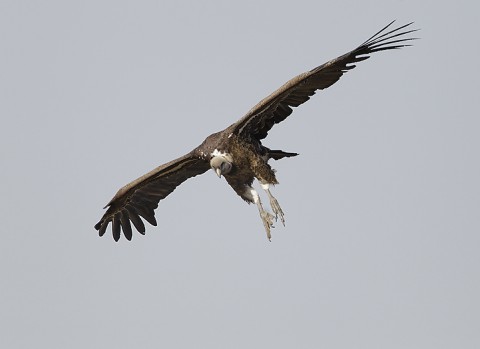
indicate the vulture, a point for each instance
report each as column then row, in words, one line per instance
column 237, row 152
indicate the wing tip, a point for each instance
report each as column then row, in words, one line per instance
column 384, row 37
column 120, row 228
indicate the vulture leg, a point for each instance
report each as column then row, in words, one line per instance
column 267, row 217
column 274, row 203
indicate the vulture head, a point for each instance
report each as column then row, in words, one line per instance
column 221, row 164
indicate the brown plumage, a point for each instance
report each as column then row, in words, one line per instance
column 237, row 152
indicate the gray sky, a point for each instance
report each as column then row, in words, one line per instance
column 381, row 244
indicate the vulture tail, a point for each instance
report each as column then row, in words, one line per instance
column 279, row 154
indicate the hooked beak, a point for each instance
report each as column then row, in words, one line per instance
column 218, row 172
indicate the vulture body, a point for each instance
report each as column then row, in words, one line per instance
column 237, row 152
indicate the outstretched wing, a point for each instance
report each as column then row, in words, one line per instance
column 276, row 107
column 140, row 198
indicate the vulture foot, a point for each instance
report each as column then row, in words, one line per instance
column 267, row 219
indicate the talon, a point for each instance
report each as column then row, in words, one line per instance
column 267, row 219
column 275, row 205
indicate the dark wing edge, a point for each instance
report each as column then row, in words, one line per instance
column 278, row 106
column 140, row 198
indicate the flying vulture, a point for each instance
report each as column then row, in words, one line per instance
column 237, row 153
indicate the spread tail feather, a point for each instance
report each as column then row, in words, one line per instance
column 279, row 154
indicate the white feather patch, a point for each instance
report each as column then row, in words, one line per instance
column 226, row 156
column 254, row 194
column 216, row 152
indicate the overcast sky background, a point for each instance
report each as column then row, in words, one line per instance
column 381, row 244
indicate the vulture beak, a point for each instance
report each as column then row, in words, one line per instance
column 219, row 172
